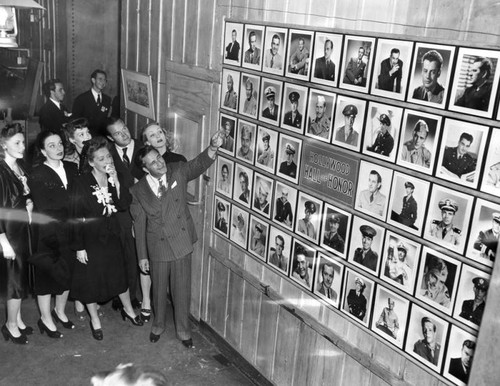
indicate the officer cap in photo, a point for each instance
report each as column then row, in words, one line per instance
column 368, row 231
column 481, row 283
column 321, row 100
column 350, row 110
column 264, row 188
column 259, row 227
column 270, row 92
column 448, row 204
column 496, row 217
column 221, row 206
column 440, row 274
column 289, row 149
column 408, row 184
column 334, row 218
column 294, row 96
column 384, row 118
column 402, row 247
column 310, row 206
column 265, row 136
column 360, row 281
column 240, row 218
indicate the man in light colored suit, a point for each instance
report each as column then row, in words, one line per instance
column 165, row 232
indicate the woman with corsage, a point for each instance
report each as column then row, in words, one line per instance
column 99, row 274
column 16, row 207
column 49, row 183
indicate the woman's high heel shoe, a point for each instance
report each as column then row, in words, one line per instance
column 7, row 335
column 96, row 334
column 51, row 334
column 145, row 315
column 69, row 324
column 136, row 321
column 26, row 330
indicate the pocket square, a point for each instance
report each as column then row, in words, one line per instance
column 174, row 185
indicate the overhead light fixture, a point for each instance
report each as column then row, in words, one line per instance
column 8, row 20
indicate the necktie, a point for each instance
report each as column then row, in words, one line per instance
column 126, row 160
column 444, row 232
column 328, row 294
column 98, row 99
column 251, row 57
column 272, row 62
column 161, row 188
column 371, row 197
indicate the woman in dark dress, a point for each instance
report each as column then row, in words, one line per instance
column 99, row 275
column 16, row 207
column 49, row 183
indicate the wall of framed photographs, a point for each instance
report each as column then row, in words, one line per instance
column 367, row 171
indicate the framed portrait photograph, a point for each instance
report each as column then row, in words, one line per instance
column 381, row 136
column 392, row 68
column 426, row 337
column 485, row 233
column 233, row 43
column 491, row 176
column 366, row 243
column 289, row 156
column 472, row 296
column 267, row 142
column 459, row 356
column 303, row 263
column 320, row 115
column 239, row 226
column 431, row 73
column 390, row 314
column 229, row 93
column 448, row 218
column 270, row 101
column 374, row 187
column 326, row 58
column 228, row 124
column 259, row 231
column 419, row 141
column 336, row 230
column 357, row 63
column 437, row 282
column 349, row 122
column 245, row 142
column 328, row 281
column 280, row 246
column 138, row 93
column 400, row 260
column 462, row 149
column 243, row 177
column 222, row 213
column 408, row 203
column 253, row 46
column 250, row 91
column 225, row 182
column 275, row 50
column 300, row 44
column 294, row 107
column 262, row 194
column 308, row 219
column 358, row 295
column 475, row 83
column 285, row 202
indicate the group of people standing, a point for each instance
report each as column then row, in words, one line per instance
column 68, row 214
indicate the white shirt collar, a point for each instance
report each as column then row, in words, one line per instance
column 95, row 94
column 153, row 182
column 58, row 104
column 130, row 150
column 60, row 172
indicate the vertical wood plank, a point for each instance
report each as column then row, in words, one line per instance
column 266, row 336
column 331, row 360
column 178, row 37
column 191, row 22
column 209, row 35
column 354, row 374
column 251, row 319
column 217, row 297
column 305, row 364
column 235, row 302
column 253, row 266
column 286, row 348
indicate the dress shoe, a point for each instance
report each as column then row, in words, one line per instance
column 136, row 303
column 51, row 334
column 188, row 343
column 145, row 315
column 136, row 320
column 96, row 334
column 69, row 324
column 153, row 338
column 22, row 339
column 26, row 330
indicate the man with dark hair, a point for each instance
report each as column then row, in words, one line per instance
column 431, row 90
column 233, row 48
column 271, row 111
column 231, row 96
column 472, row 309
column 356, row 301
column 252, row 55
column 443, row 229
column 427, row 347
column 228, row 142
column 273, row 59
column 305, row 225
column 288, row 166
column 346, row 133
column 371, row 199
column 384, row 142
column 477, row 94
column 293, row 117
column 487, row 241
column 391, row 72
column 302, row 271
column 53, row 114
column 94, row 104
column 460, row 367
column 245, row 191
column 331, row 236
column 325, row 287
column 324, row 67
column 408, row 214
column 220, row 220
column 457, row 160
column 355, row 70
column 320, row 125
column 277, row 258
column 365, row 255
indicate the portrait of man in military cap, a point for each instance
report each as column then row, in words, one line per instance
column 289, row 157
column 336, row 225
column 250, row 90
column 358, row 294
column 319, row 121
column 328, row 279
column 349, row 122
column 258, row 237
column 269, row 101
column 267, row 141
column 390, row 314
column 262, row 194
column 485, row 233
column 285, row 200
column 221, row 213
column 308, row 217
column 366, row 245
column 239, row 226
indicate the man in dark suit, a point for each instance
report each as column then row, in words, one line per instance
column 487, row 240
column 472, row 309
column 391, row 72
column 94, row 104
column 252, row 55
column 165, row 232
column 355, row 70
column 324, row 67
column 325, row 287
column 457, row 160
column 271, row 111
column 408, row 214
column 460, row 367
column 233, row 48
column 53, row 114
column 477, row 95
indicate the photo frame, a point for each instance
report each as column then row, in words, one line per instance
column 349, row 122
column 289, row 157
column 294, row 105
column 419, row 141
column 437, row 282
column 222, row 214
column 239, row 226
column 462, row 150
column 357, row 297
column 431, row 73
column 328, row 282
column 459, row 356
column 365, row 249
column 250, row 91
column 138, row 93
column 320, row 115
column 336, row 230
column 308, row 219
column 270, row 101
column 230, row 90
column 262, row 194
column 490, row 182
column 278, row 256
column 475, row 83
column 267, row 143
column 400, row 261
column 243, row 178
column 245, row 142
column 275, row 50
column 253, row 47
column 232, row 43
column 392, row 68
column 225, row 181
column 259, row 231
column 326, row 58
column 357, row 63
column 300, row 47
column 303, row 263
column 285, row 202
column 228, row 125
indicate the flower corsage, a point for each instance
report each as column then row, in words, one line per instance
column 104, row 198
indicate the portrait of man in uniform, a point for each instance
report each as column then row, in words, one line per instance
column 443, row 228
column 220, row 218
column 390, row 315
column 266, row 151
column 269, row 101
column 230, row 97
column 384, row 141
column 349, row 122
column 308, row 223
column 294, row 107
column 289, row 157
column 319, row 123
column 366, row 245
column 364, row 255
column 346, row 133
column 428, row 348
column 485, row 233
column 472, row 309
column 459, row 356
column 284, row 207
column 293, row 117
column 258, row 237
column 331, row 236
column 328, row 279
column 409, row 209
column 358, row 294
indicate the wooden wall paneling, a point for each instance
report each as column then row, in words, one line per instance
column 286, row 348
column 256, row 11
column 329, row 362
column 251, row 321
column 310, row 305
column 271, row 278
column 376, row 381
column 217, row 299
column 291, row 292
column 209, row 35
column 452, row 13
column 145, row 37
column 415, row 375
column 298, row 13
column 415, row 20
column 178, row 37
column 482, row 18
column 353, row 373
column 235, row 303
column 266, row 340
column 306, row 369
column 335, row 321
column 375, row 15
column 191, row 25
column 237, row 256
column 253, row 267
column 389, row 357
column 188, row 94
column 360, row 337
